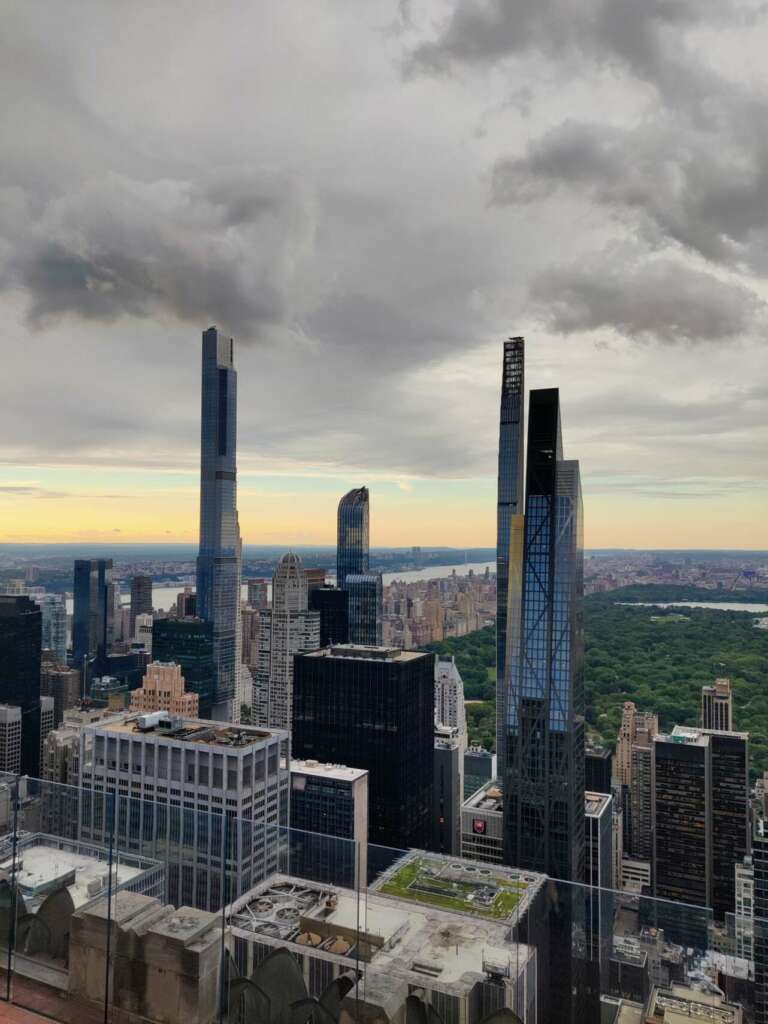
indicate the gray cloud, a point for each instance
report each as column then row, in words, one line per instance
column 661, row 299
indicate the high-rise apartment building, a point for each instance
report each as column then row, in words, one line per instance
column 46, row 721
column 10, row 738
column 366, row 600
column 287, row 629
column 20, row 638
column 54, row 624
column 449, row 695
column 700, row 787
column 258, row 593
column 141, row 598
column 186, row 604
column 373, row 707
column 543, row 779
column 333, row 606
column 163, row 690
column 509, row 504
column 231, row 781
column 63, row 684
column 93, row 611
column 219, row 558
column 631, row 769
column 189, row 643
column 251, row 628
column 329, row 823
column 760, row 941
column 717, row 706
column 744, row 912
column 352, row 535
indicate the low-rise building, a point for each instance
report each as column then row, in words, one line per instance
column 482, row 825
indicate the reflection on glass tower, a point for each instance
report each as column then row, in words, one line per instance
column 510, row 500
column 352, row 535
column 218, row 562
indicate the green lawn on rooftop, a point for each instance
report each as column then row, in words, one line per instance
column 401, row 884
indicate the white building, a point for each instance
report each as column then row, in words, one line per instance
column 175, row 780
column 10, row 738
column 143, row 631
column 744, row 918
column 287, row 629
column 449, row 695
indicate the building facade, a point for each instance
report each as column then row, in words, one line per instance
column 509, row 504
column 141, row 598
column 210, row 798
column 10, row 739
column 717, row 706
column 329, row 823
column 20, row 657
column 219, row 558
column 449, row 695
column 352, row 535
column 373, row 708
column 63, row 684
column 365, row 609
column 189, row 643
column 332, row 604
column 93, row 610
column 54, row 625
column 448, row 791
column 163, row 690
column 482, row 825
column 285, row 630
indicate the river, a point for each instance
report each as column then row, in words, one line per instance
column 715, row 606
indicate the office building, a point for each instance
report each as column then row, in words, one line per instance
column 449, row 695
column 717, row 706
column 251, row 628
column 20, row 656
column 141, row 598
column 54, row 624
column 744, row 909
column 315, row 579
column 159, row 763
column 373, row 707
column 163, row 690
column 329, row 823
column 61, row 752
column 189, row 643
column 46, row 720
column 352, row 535
column 110, row 692
column 186, row 604
column 543, row 780
column 142, row 636
column 333, row 607
column 482, row 825
column 219, row 558
column 10, row 738
column 93, row 610
column 509, row 505
column 760, row 938
column 258, row 593
column 285, row 630
column 598, row 818
column 597, row 811
column 480, row 767
column 597, row 769
column 700, row 787
column 448, row 790
column 365, row 609
column 63, row 684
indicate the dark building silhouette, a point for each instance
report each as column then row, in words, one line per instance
column 333, row 605
column 597, row 770
column 93, row 611
column 21, row 629
column 509, row 501
column 141, row 598
column 373, row 708
column 188, row 642
column 366, row 602
column 760, row 945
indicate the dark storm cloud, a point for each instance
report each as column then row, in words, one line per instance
column 661, row 299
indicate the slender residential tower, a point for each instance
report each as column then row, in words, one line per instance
column 509, row 505
column 352, row 536
column 219, row 560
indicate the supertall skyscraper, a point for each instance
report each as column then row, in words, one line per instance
column 219, row 558
column 509, row 505
column 543, row 772
column 93, row 611
column 352, row 535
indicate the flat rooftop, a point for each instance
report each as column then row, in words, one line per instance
column 487, row 798
column 680, row 1004
column 595, row 803
column 187, row 730
column 327, row 771
column 367, row 653
column 396, row 940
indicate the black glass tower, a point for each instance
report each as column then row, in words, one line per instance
column 20, row 648
column 373, row 710
column 188, row 642
column 509, row 505
column 352, row 535
column 333, row 605
column 544, row 770
column 219, row 557
column 93, row 611
column 366, row 600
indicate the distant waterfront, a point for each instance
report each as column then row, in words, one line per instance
column 715, row 606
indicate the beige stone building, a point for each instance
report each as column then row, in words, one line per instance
column 162, row 689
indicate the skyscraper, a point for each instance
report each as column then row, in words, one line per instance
column 188, row 642
column 92, row 616
column 333, row 605
column 219, row 558
column 352, row 535
column 20, row 632
column 54, row 612
column 287, row 629
column 141, row 598
column 544, row 771
column 509, row 504
column 366, row 601
column 717, row 706
column 373, row 708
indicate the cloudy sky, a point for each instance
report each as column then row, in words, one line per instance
column 370, row 195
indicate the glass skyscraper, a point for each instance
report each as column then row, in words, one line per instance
column 544, row 766
column 20, row 635
column 93, row 610
column 352, row 535
column 219, row 558
column 366, row 600
column 509, row 505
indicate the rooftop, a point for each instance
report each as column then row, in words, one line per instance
column 368, row 653
column 487, row 798
column 189, row 730
column 679, row 1003
column 595, row 804
column 327, row 771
